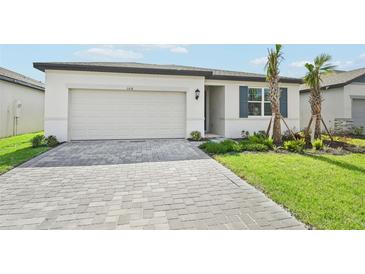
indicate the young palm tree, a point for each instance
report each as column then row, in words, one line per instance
column 313, row 79
column 274, row 58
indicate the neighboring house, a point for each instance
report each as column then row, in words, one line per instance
column 132, row 100
column 21, row 104
column 344, row 98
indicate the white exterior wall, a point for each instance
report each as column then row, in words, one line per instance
column 32, row 111
column 332, row 107
column 58, row 84
column 234, row 124
column 354, row 90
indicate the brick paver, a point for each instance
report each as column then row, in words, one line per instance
column 151, row 184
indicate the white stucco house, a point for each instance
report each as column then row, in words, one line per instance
column 344, row 98
column 85, row 101
column 21, row 104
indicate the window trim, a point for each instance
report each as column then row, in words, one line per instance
column 262, row 102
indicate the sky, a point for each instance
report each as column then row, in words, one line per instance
column 248, row 58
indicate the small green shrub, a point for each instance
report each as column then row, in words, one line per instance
column 357, row 131
column 38, row 140
column 294, row 146
column 51, row 141
column 318, row 144
column 220, row 148
column 247, row 146
column 269, row 142
column 196, row 135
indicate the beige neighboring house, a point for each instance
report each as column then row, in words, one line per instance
column 21, row 104
column 344, row 98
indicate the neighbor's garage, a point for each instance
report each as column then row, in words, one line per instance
column 121, row 114
column 358, row 112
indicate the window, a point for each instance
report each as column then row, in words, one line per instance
column 259, row 102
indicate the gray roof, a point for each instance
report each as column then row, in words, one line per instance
column 127, row 67
column 339, row 79
column 16, row 78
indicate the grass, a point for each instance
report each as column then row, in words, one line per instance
column 325, row 191
column 17, row 150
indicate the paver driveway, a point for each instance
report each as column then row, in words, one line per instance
column 152, row 184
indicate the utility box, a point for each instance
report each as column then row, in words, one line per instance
column 17, row 108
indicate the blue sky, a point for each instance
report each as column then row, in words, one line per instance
column 248, row 58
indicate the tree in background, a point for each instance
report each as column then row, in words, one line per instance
column 313, row 79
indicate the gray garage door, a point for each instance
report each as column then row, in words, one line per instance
column 358, row 112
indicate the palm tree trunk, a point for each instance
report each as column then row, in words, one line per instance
column 276, row 134
column 317, row 128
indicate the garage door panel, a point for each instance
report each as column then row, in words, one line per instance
column 358, row 112
column 126, row 115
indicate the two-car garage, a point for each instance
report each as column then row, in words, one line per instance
column 122, row 114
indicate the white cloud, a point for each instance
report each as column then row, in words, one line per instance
column 109, row 52
column 179, row 50
column 343, row 64
column 299, row 64
column 126, row 52
column 259, row 61
column 362, row 56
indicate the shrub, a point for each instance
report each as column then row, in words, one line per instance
column 318, row 144
column 220, row 148
column 261, row 139
column 269, row 142
column 294, row 146
column 247, row 146
column 357, row 131
column 196, row 135
column 38, row 140
column 52, row 141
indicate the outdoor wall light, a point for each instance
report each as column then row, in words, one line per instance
column 197, row 94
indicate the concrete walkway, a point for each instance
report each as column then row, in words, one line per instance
column 152, row 184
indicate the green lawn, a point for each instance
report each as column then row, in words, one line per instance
column 16, row 150
column 325, row 191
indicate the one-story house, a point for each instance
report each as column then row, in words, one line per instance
column 344, row 99
column 93, row 100
column 21, row 104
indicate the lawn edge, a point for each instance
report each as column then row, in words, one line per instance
column 307, row 225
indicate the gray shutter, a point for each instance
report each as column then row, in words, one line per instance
column 243, row 102
column 284, row 102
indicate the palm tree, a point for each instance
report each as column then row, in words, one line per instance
column 313, row 79
column 274, row 58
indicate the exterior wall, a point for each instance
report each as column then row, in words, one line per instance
column 354, row 90
column 332, row 107
column 234, row 124
column 32, row 111
column 58, row 84
column 217, row 110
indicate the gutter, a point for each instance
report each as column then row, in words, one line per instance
column 21, row 83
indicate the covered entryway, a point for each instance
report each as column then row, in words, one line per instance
column 121, row 114
column 358, row 112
